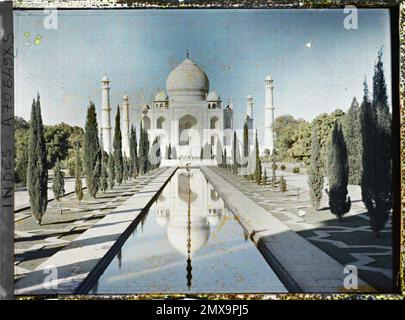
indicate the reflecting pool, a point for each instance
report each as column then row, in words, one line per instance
column 188, row 242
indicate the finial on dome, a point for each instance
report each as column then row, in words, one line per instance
column 187, row 54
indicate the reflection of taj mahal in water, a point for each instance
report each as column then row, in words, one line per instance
column 206, row 207
column 187, row 116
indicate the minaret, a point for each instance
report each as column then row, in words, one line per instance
column 249, row 117
column 269, row 115
column 125, row 125
column 105, row 114
column 249, row 106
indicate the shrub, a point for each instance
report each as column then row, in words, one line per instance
column 296, row 170
column 274, row 166
column 283, row 184
column 282, row 167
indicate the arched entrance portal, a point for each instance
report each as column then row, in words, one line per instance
column 188, row 126
column 189, row 137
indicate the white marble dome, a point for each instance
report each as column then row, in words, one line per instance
column 187, row 81
column 161, row 96
column 213, row 96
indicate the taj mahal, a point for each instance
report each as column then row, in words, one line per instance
column 188, row 117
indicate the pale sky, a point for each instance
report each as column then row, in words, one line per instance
column 236, row 48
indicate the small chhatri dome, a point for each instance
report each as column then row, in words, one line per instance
column 105, row 78
column 125, row 97
column 249, row 97
column 187, row 80
column 213, row 96
column 161, row 96
column 269, row 78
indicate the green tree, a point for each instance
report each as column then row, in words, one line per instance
column 78, row 174
column 57, row 143
column 104, row 171
column 264, row 178
column 324, row 124
column 133, row 154
column 245, row 140
column 125, row 169
column 144, row 163
column 91, row 152
column 235, row 154
column 376, row 184
column 142, row 155
column 111, row 171
column 117, row 144
column 338, row 174
column 315, row 172
column 300, row 149
column 283, row 184
column 224, row 162
column 352, row 134
column 258, row 167
column 146, row 147
column 58, row 184
column 37, row 173
column 169, row 152
column 21, row 142
column 284, row 128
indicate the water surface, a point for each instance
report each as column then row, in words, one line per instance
column 188, row 242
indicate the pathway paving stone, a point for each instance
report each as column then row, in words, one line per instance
column 34, row 244
column 75, row 261
column 349, row 242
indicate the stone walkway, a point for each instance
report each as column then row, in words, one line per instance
column 22, row 200
column 84, row 257
column 349, row 242
column 34, row 244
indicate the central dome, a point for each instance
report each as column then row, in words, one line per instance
column 187, row 82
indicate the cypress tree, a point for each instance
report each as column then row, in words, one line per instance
column 125, row 169
column 142, row 156
column 338, row 171
column 264, row 178
column 283, row 184
column 376, row 184
column 111, row 171
column 118, row 148
column 133, row 154
column 146, row 151
column 352, row 135
column 158, row 154
column 258, row 164
column 224, row 164
column 136, row 162
column 234, row 153
column 78, row 178
column 315, row 175
column 245, row 140
column 202, row 153
column 104, row 171
column 91, row 151
column 169, row 152
column 58, row 184
column 37, row 173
